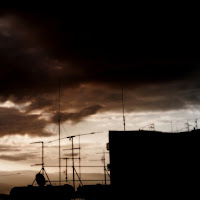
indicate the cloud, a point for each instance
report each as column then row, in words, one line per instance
column 14, row 122
column 157, row 72
column 16, row 157
column 77, row 116
column 8, row 148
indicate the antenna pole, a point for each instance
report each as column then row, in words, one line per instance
column 196, row 121
column 79, row 157
column 59, row 133
column 188, row 127
column 66, row 171
column 43, row 157
column 72, row 138
column 42, row 164
column 124, row 122
column 104, row 163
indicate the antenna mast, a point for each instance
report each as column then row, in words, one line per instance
column 187, row 126
column 59, row 133
column 42, row 164
column 124, row 122
column 196, row 122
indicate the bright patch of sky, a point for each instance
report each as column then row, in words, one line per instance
column 10, row 104
column 92, row 145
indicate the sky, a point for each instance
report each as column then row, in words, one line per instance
column 158, row 69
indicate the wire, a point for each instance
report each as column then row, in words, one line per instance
column 64, row 129
column 52, row 131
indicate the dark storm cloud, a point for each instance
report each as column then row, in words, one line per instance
column 13, row 122
column 77, row 116
column 159, row 70
column 17, row 157
column 22, row 65
column 113, row 58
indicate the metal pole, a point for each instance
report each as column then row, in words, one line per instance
column 73, row 161
column 66, row 171
column 42, row 164
column 79, row 157
column 104, row 157
column 59, row 134
column 196, row 121
column 123, row 109
column 43, row 158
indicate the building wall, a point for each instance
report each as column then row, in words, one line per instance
column 154, row 164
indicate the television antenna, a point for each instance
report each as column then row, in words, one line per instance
column 196, row 123
column 103, row 159
column 66, row 178
column 72, row 148
column 169, row 122
column 41, row 180
column 59, row 133
column 188, row 126
column 124, row 120
column 150, row 126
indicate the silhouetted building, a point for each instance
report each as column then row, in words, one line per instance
column 154, row 164
column 94, row 192
column 65, row 192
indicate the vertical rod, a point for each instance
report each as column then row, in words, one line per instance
column 188, row 127
column 73, row 161
column 79, row 157
column 59, row 133
column 66, row 171
column 43, row 156
column 123, row 109
column 104, row 158
column 196, row 121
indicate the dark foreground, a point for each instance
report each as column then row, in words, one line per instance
column 66, row 192
column 4, row 197
column 156, row 165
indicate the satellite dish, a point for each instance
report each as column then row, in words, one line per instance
column 40, row 179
